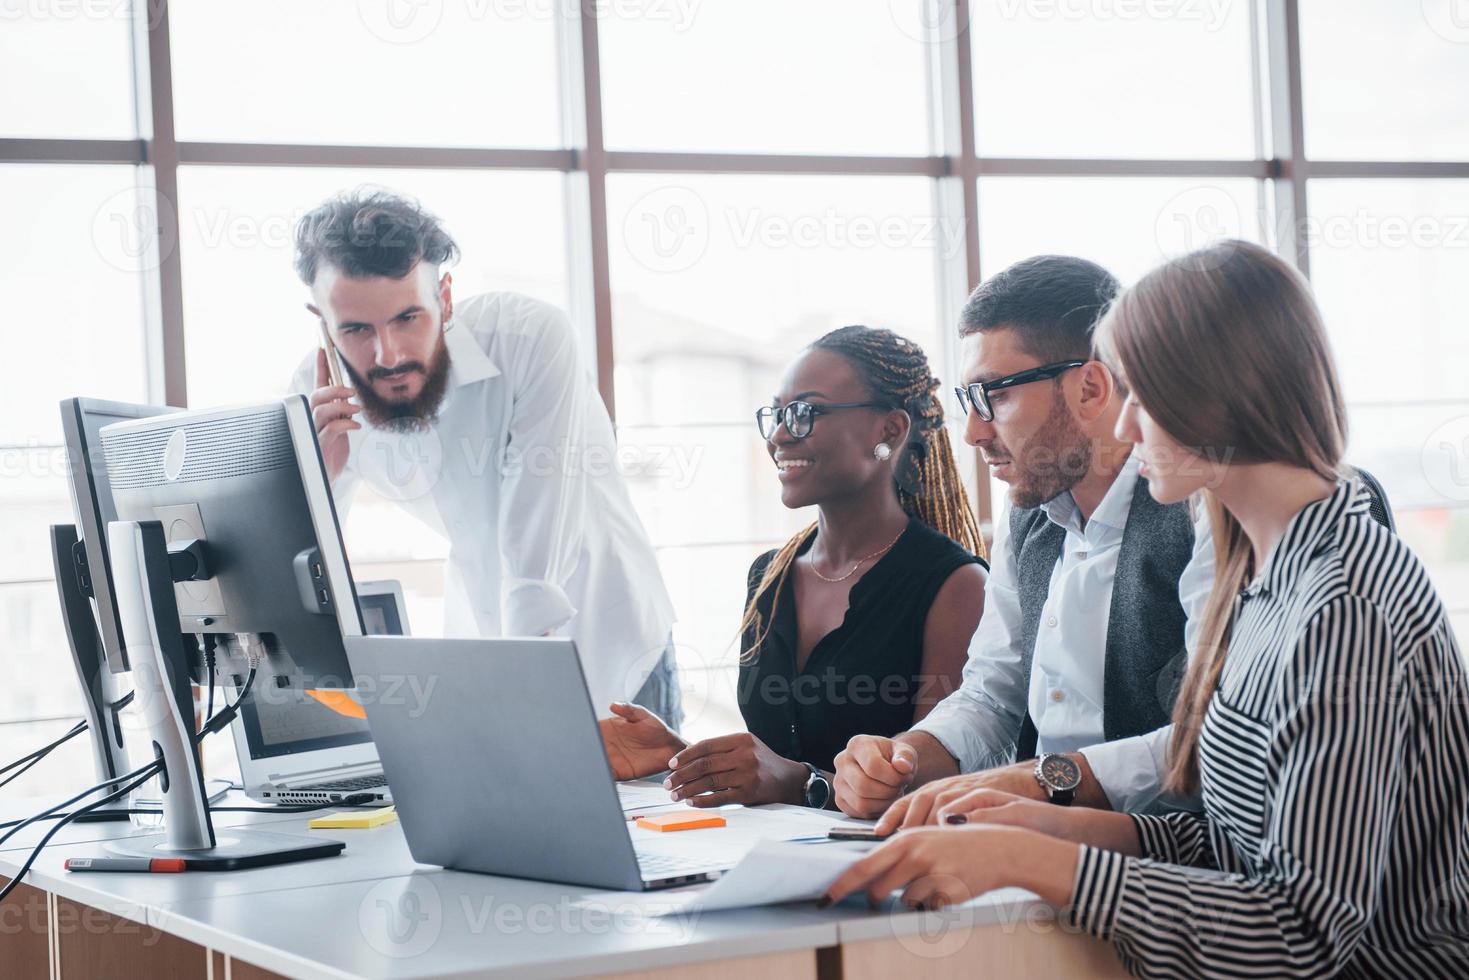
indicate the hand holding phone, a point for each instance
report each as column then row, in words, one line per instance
column 857, row 834
column 334, row 370
column 332, row 411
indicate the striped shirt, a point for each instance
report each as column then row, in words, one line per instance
column 1334, row 768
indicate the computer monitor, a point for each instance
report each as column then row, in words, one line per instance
column 225, row 526
column 250, row 485
column 82, row 420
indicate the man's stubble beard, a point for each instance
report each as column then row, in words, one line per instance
column 1067, row 458
column 419, row 413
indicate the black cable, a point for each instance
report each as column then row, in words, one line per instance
column 36, row 851
column 146, row 772
column 23, row 770
column 209, row 643
column 151, row 768
column 38, row 754
column 227, row 714
column 214, row 724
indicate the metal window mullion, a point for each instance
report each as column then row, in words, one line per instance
column 1282, row 29
column 586, row 184
column 1260, row 117
column 158, row 190
column 1392, row 169
column 956, row 198
column 84, row 151
column 412, row 157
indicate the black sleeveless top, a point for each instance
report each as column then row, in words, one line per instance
column 862, row 678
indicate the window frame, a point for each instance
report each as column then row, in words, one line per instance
column 1280, row 166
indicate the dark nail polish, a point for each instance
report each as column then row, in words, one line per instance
column 956, row 818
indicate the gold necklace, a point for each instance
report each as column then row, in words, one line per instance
column 859, row 563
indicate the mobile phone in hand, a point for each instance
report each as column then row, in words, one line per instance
column 856, row 833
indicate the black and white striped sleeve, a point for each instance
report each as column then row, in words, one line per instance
column 1175, row 838
column 1338, row 744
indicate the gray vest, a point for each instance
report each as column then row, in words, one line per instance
column 1145, row 651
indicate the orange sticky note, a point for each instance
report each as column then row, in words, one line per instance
column 680, row 820
column 341, row 702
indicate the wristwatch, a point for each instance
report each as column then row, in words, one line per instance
column 818, row 788
column 1059, row 776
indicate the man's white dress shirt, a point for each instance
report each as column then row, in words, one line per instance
column 519, row 473
column 978, row 723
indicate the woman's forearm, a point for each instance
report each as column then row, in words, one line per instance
column 1046, row 866
column 1105, row 829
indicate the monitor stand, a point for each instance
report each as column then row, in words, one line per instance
column 101, row 701
column 161, row 683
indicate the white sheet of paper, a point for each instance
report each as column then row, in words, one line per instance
column 773, row 872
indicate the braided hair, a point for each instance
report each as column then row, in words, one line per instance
column 927, row 481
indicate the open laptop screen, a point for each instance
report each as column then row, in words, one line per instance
column 286, row 721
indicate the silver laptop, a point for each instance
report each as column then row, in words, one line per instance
column 498, row 766
column 294, row 749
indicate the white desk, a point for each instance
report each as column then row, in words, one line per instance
column 372, row 912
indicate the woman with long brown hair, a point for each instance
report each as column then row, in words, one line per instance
column 1323, row 718
column 860, row 623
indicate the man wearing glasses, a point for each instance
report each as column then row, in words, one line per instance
column 1095, row 589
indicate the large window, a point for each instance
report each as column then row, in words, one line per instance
column 73, row 326
column 410, row 74
column 734, row 178
column 765, row 76
column 1069, row 79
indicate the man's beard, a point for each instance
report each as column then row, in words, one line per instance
column 413, row 415
column 1057, row 457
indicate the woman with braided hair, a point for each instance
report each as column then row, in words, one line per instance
column 861, row 622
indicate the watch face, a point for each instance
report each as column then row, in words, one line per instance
column 1059, row 772
column 818, row 792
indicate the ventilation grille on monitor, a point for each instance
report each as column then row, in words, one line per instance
column 217, row 448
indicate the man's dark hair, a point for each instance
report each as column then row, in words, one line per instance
column 1051, row 301
column 370, row 233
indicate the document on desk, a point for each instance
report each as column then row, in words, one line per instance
column 774, row 872
column 771, row 873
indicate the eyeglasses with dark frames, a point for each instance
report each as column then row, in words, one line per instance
column 799, row 416
column 976, row 397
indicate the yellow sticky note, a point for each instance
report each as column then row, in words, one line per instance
column 355, row 821
column 680, row 820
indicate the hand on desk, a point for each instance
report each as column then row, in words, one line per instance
column 985, row 840
column 638, row 742
column 871, row 773
column 924, row 804
column 937, row 867
column 735, row 769
column 729, row 769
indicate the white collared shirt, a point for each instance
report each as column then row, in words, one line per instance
column 978, row 723
column 519, row 473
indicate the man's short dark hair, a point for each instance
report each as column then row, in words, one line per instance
column 1051, row 301
column 365, row 233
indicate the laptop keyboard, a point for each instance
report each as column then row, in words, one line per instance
column 656, row 865
column 354, row 785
